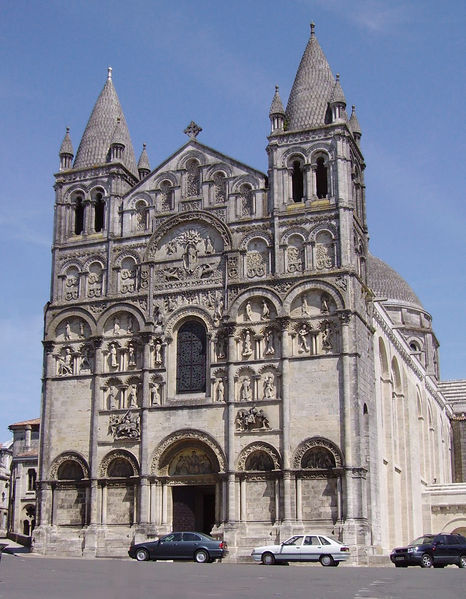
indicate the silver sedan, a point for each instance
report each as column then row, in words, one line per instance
column 303, row 548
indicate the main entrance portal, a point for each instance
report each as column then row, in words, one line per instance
column 194, row 508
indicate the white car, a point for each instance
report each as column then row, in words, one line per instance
column 303, row 548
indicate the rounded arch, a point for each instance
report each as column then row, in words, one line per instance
column 396, row 376
column 140, row 196
column 191, row 155
column 75, row 463
column 184, row 313
column 383, row 358
column 70, row 264
column 260, row 235
column 258, row 293
column 245, row 180
column 93, row 260
column 124, row 255
column 167, row 176
column 314, row 285
column 258, row 447
column 119, row 460
column 323, row 228
column 320, row 151
column 293, row 153
column 123, row 309
column 221, row 167
column 317, row 442
column 293, row 232
column 186, row 218
column 52, row 328
column 171, row 445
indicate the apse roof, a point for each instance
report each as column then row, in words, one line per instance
column 387, row 283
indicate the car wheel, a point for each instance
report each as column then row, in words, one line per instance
column 327, row 560
column 268, row 559
column 462, row 561
column 426, row 561
column 142, row 555
column 201, row 556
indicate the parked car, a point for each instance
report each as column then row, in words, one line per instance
column 197, row 546
column 432, row 550
column 303, row 548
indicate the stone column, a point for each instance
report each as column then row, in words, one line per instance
column 95, row 407
column 230, row 396
column 285, row 407
column 143, row 516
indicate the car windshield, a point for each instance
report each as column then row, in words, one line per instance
column 422, row 540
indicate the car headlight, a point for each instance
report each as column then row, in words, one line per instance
column 412, row 549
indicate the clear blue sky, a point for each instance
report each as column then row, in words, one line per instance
column 217, row 62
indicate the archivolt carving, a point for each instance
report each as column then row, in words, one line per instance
column 113, row 455
column 187, row 218
column 316, row 442
column 68, row 457
column 188, row 312
column 186, row 435
column 268, row 449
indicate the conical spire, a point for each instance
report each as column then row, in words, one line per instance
column 99, row 133
column 66, row 152
column 338, row 97
column 143, row 163
column 276, row 107
column 312, row 88
column 354, row 125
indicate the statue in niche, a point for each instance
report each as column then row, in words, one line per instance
column 304, row 307
column 125, row 427
column 269, row 387
column 318, row 458
column 67, row 330
column 248, row 311
column 265, row 310
column 158, row 351
column 158, row 318
column 113, row 356
column 303, row 335
column 209, row 247
column 85, row 364
column 221, row 347
column 81, row 329
column 130, row 327
column 131, row 355
column 112, row 402
column 247, row 349
column 326, row 336
column 220, row 391
column 65, row 363
column 252, row 419
column 218, row 311
column 155, row 394
column 133, row 396
column 245, row 391
column 324, row 309
column 116, row 326
column 269, row 348
column 190, row 257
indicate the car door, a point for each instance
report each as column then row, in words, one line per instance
column 169, row 546
column 189, row 544
column 312, row 548
column 291, row 549
column 440, row 550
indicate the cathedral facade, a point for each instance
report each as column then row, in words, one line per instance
column 223, row 353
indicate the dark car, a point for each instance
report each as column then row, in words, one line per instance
column 197, row 546
column 432, row 550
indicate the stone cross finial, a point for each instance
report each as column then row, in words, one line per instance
column 193, row 130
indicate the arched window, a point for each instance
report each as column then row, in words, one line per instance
column 246, row 199
column 191, row 358
column 318, row 458
column 99, row 213
column 32, row 476
column 141, row 215
column 220, row 187
column 78, row 216
column 193, row 181
column 321, row 178
column 70, row 470
column 166, row 189
column 120, row 468
column 297, row 181
column 259, row 461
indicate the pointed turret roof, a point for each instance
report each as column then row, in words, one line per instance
column 143, row 162
column 337, row 92
column 312, row 88
column 353, row 122
column 66, row 145
column 100, row 130
column 276, row 107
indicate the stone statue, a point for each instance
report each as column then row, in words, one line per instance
column 113, row 356
column 158, row 351
column 247, row 349
column 326, row 334
column 67, row 330
column 155, row 394
column 112, row 402
column 65, row 363
column 302, row 339
column 265, row 310
column 269, row 387
column 324, row 304
column 248, row 311
column 131, row 355
column 220, row 391
column 304, row 307
column 269, row 348
column 209, row 248
column 130, row 326
column 218, row 311
column 221, row 347
column 245, row 391
column 252, row 419
column 125, row 427
column 116, row 326
column 133, row 396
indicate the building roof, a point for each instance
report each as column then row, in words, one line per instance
column 353, row 121
column 277, row 106
column 33, row 422
column 143, row 162
column 454, row 391
column 66, row 145
column 312, row 89
column 386, row 283
column 100, row 130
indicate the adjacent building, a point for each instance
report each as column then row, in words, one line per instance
column 221, row 350
column 5, row 462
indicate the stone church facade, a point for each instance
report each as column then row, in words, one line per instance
column 222, row 352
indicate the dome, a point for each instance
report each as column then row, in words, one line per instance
column 387, row 283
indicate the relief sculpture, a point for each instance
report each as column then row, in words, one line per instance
column 252, row 419
column 126, row 426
